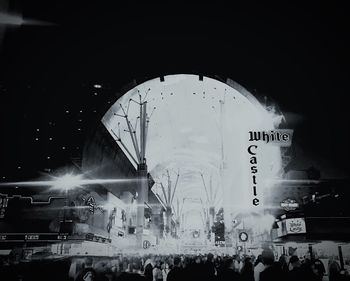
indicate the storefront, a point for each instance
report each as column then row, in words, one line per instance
column 324, row 238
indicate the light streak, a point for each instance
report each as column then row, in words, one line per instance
column 68, row 182
column 18, row 20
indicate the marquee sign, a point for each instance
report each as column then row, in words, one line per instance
column 290, row 226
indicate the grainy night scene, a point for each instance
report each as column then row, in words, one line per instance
column 174, row 142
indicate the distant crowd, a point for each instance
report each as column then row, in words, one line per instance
column 176, row 268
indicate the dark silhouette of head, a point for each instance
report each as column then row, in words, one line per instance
column 229, row 263
column 268, row 257
column 294, row 260
column 88, row 262
column 177, row 261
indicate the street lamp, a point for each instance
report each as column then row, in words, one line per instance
column 66, row 182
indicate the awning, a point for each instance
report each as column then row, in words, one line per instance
column 5, row 252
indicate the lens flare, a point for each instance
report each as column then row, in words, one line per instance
column 67, row 181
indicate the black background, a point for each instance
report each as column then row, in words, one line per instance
column 296, row 54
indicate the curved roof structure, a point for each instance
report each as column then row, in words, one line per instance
column 199, row 129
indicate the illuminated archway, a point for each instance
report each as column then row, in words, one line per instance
column 199, row 127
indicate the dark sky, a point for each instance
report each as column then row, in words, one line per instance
column 297, row 55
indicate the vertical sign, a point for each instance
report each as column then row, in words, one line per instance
column 3, row 205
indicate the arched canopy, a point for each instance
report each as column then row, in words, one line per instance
column 198, row 126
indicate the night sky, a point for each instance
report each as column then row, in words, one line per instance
column 295, row 55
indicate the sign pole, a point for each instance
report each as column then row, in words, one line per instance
column 341, row 259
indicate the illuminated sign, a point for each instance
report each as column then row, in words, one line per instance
column 291, row 226
column 279, row 229
column 220, row 243
column 91, row 203
column 243, row 236
column 146, row 244
column 32, row 237
column 281, row 137
column 97, row 238
column 195, row 234
column 3, row 205
column 289, row 205
column 295, row 226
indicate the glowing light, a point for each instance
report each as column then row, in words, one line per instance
column 67, row 181
column 10, row 19
column 17, row 20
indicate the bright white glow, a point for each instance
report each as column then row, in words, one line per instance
column 258, row 222
column 67, row 181
column 10, row 19
column 200, row 127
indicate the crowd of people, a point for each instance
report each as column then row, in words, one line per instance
column 207, row 267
